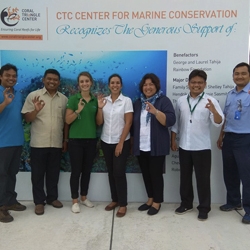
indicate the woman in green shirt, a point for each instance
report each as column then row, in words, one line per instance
column 81, row 116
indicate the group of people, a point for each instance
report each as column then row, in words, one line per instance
column 59, row 124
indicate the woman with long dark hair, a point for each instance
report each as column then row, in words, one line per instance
column 115, row 112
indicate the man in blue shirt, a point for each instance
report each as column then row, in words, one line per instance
column 11, row 141
column 234, row 140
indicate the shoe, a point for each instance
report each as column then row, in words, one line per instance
column 153, row 211
column 202, row 216
column 87, row 203
column 5, row 216
column 111, row 207
column 227, row 207
column 121, row 214
column 144, row 207
column 75, row 208
column 56, row 204
column 246, row 219
column 16, row 207
column 183, row 210
column 39, row 209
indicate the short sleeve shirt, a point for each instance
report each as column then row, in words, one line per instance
column 11, row 129
column 47, row 128
column 114, row 122
column 239, row 126
column 85, row 125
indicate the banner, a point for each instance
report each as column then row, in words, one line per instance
column 131, row 38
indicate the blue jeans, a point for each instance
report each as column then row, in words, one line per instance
column 236, row 168
column 10, row 158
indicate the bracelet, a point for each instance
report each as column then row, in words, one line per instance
column 99, row 108
column 66, row 140
column 78, row 115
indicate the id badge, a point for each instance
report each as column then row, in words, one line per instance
column 237, row 115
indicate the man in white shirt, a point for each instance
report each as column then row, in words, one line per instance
column 195, row 113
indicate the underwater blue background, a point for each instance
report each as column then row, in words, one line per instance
column 131, row 65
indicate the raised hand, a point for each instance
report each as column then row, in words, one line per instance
column 150, row 108
column 81, row 105
column 210, row 106
column 101, row 101
column 8, row 96
column 39, row 104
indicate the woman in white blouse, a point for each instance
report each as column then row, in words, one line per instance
column 115, row 112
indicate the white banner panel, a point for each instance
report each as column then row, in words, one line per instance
column 169, row 38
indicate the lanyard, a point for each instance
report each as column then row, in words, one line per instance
column 192, row 109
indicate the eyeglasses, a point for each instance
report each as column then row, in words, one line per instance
column 239, row 108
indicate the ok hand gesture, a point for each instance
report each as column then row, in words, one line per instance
column 39, row 104
column 101, row 101
column 8, row 96
column 210, row 106
column 81, row 105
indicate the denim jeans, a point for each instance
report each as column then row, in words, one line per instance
column 236, row 168
column 10, row 158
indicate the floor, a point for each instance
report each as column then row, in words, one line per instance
column 97, row 229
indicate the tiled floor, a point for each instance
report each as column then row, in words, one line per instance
column 96, row 229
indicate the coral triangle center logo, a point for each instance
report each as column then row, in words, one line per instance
column 10, row 16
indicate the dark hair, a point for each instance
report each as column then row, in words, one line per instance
column 243, row 64
column 6, row 67
column 198, row 72
column 115, row 75
column 52, row 71
column 154, row 78
column 87, row 74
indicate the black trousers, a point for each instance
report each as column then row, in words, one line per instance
column 117, row 171
column 200, row 161
column 10, row 158
column 45, row 164
column 82, row 153
column 152, row 170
